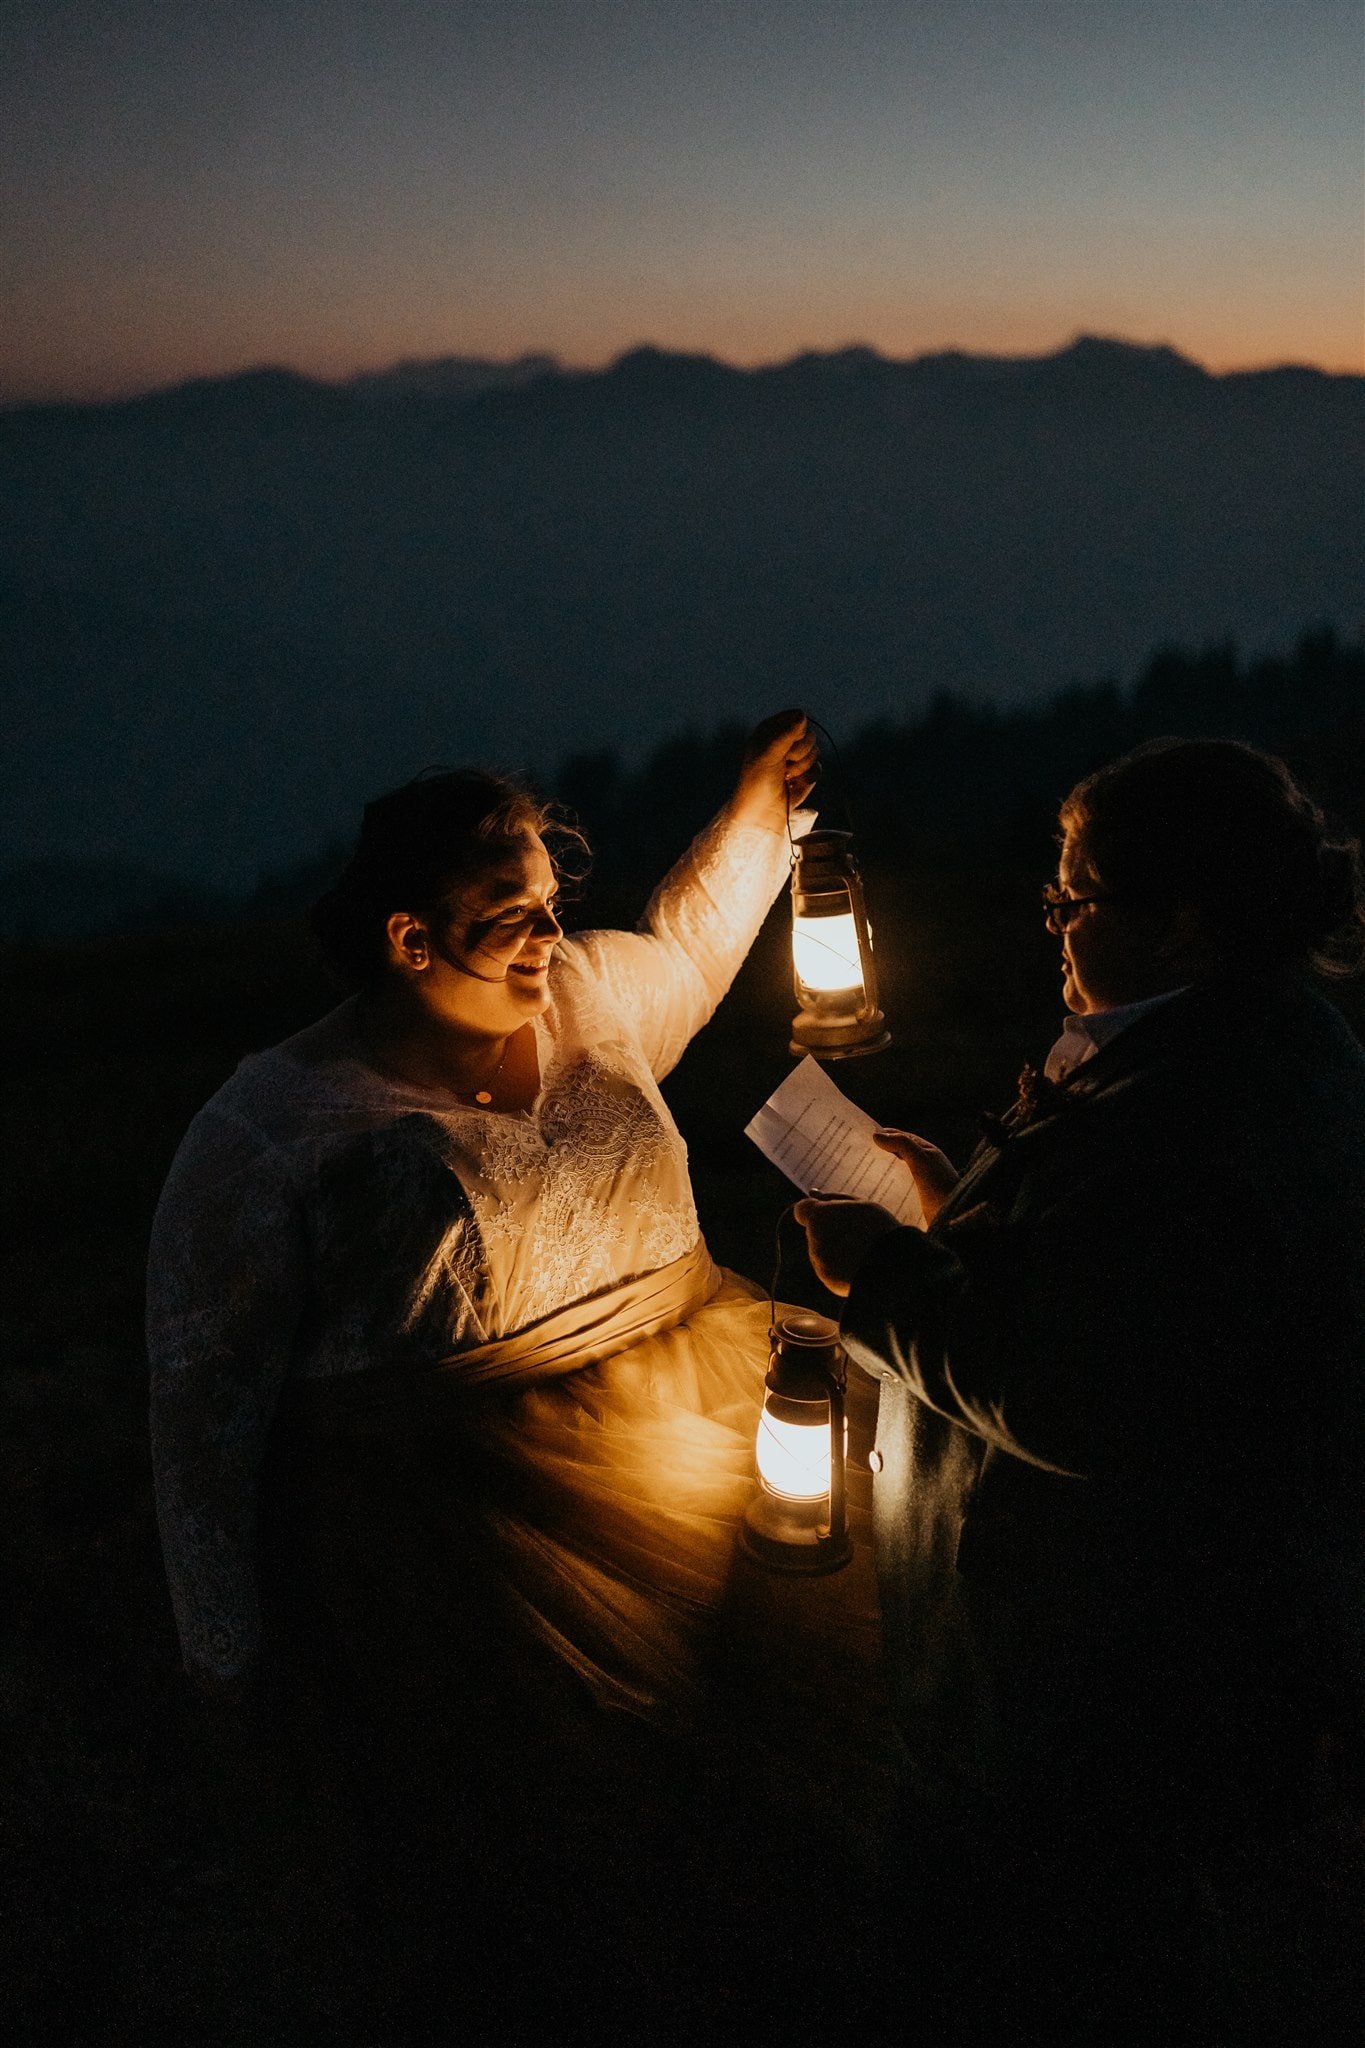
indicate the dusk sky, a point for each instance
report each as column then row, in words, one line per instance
column 193, row 190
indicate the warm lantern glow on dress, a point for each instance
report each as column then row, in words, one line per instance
column 836, row 983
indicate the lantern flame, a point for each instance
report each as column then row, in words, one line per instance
column 825, row 953
column 793, row 1457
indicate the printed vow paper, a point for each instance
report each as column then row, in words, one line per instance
column 823, row 1142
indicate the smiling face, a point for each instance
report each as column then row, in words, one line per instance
column 484, row 967
column 1115, row 952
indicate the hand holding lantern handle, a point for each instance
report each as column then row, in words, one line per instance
column 839, row 1235
column 781, row 762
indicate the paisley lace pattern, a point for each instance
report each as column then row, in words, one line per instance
column 321, row 1218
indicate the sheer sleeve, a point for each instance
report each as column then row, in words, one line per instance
column 668, row 976
column 225, row 1291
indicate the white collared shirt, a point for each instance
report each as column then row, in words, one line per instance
column 1082, row 1037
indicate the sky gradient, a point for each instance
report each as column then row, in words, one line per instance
column 335, row 187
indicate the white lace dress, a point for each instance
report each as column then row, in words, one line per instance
column 321, row 1220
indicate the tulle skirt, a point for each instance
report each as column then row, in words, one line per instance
column 635, row 1473
column 519, row 1653
column 583, row 1525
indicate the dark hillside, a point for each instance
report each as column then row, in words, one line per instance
column 257, row 599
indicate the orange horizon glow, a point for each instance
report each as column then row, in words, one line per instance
column 149, row 370
column 345, row 189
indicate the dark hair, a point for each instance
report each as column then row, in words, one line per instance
column 1225, row 829
column 418, row 845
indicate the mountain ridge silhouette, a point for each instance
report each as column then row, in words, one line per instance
column 231, row 610
column 458, row 378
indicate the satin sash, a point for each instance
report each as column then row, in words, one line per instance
column 584, row 1333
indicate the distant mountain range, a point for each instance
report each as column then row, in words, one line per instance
column 230, row 611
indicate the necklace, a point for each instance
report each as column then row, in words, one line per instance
column 483, row 1095
column 394, row 1067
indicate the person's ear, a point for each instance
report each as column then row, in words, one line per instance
column 408, row 943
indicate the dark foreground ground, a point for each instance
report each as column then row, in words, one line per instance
column 120, row 1919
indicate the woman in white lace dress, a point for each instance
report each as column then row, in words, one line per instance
column 451, row 1412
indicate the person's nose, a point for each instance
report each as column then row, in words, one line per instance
column 547, row 925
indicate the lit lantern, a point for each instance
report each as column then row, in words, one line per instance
column 798, row 1521
column 836, row 982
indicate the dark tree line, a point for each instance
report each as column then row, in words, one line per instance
column 966, row 783
column 970, row 782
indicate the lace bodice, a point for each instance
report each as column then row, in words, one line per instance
column 321, row 1218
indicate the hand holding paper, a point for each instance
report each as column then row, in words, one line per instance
column 823, row 1142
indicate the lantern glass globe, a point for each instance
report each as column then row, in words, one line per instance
column 793, row 1457
column 825, row 953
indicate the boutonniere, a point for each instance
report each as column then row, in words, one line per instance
column 1035, row 1098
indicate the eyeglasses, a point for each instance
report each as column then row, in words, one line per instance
column 1059, row 909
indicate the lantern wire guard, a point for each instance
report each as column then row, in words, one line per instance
column 836, row 978
column 797, row 1522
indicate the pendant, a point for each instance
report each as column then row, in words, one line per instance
column 482, row 1097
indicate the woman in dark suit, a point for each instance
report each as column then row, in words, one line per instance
column 1121, row 1496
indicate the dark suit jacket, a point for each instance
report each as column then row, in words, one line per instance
column 1121, row 1510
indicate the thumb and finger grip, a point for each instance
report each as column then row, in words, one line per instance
column 781, row 725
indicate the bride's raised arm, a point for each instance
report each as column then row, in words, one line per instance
column 668, row 977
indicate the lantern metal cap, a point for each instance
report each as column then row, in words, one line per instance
column 805, row 1356
column 822, row 854
column 805, row 1326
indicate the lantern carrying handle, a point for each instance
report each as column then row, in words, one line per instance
column 819, row 1194
column 827, row 736
column 789, row 1211
column 812, row 1194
